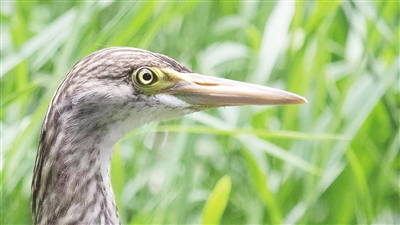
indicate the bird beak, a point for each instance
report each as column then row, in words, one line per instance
column 208, row 92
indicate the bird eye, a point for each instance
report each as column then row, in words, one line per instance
column 145, row 76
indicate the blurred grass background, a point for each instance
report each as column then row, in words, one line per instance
column 334, row 160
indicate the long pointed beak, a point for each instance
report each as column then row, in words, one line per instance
column 206, row 91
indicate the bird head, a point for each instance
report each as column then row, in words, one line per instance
column 119, row 85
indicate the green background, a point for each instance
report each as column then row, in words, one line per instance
column 334, row 160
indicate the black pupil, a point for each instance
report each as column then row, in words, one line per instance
column 147, row 76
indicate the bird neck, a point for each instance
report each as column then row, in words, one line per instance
column 71, row 184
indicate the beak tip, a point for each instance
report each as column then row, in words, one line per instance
column 296, row 99
column 303, row 100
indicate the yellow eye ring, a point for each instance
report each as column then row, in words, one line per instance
column 146, row 76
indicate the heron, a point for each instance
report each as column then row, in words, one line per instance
column 104, row 96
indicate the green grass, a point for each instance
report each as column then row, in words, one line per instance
column 334, row 160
